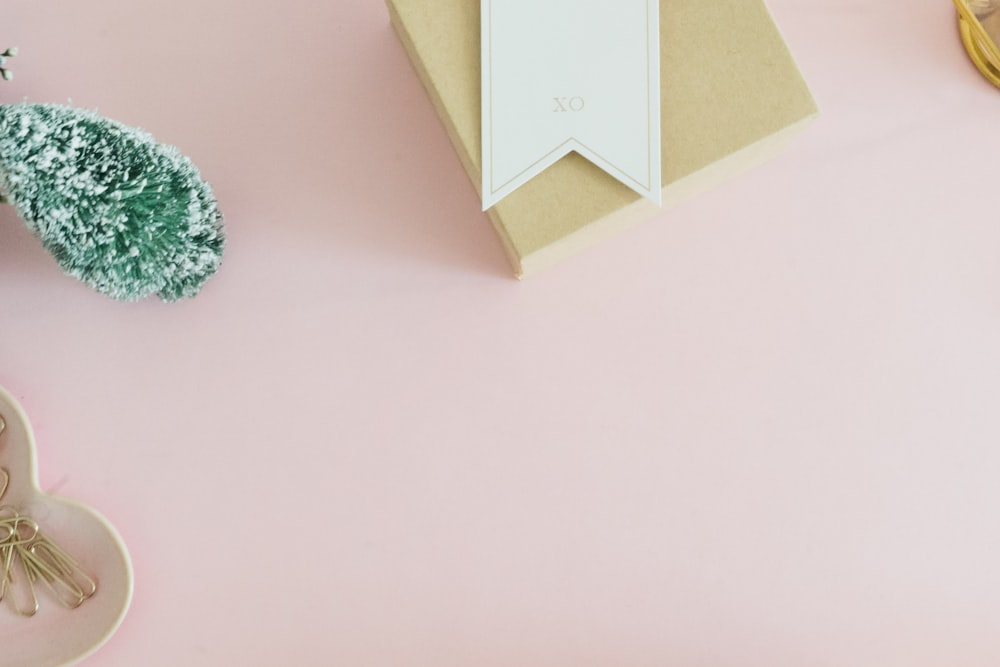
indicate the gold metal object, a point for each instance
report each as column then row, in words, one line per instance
column 979, row 26
column 29, row 559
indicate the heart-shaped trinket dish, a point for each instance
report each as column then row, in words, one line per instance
column 65, row 575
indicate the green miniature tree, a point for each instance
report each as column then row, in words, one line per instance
column 125, row 214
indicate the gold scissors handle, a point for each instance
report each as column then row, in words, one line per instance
column 981, row 43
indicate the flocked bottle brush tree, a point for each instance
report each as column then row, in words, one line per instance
column 125, row 214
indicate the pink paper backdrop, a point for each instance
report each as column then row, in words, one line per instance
column 761, row 430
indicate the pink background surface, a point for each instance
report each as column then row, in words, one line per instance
column 760, row 430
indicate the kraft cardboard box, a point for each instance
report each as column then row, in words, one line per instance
column 731, row 97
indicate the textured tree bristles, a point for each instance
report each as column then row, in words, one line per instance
column 125, row 214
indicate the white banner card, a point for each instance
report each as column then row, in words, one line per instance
column 570, row 75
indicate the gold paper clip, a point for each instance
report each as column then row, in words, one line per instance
column 59, row 572
column 979, row 26
column 16, row 580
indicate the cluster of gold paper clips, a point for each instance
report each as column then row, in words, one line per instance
column 29, row 560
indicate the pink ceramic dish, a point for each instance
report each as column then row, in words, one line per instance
column 57, row 635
